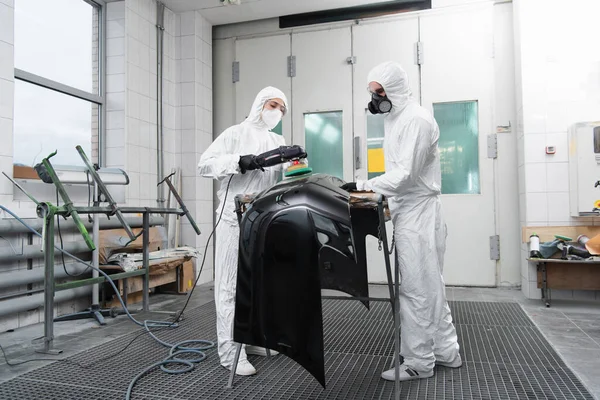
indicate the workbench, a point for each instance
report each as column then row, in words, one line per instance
column 556, row 273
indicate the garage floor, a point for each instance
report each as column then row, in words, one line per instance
column 512, row 348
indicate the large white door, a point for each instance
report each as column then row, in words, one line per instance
column 322, row 100
column 457, row 83
column 373, row 44
column 262, row 62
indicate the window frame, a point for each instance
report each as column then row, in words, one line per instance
column 100, row 98
column 94, row 98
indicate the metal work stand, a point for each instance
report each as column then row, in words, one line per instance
column 394, row 290
column 48, row 212
column 94, row 311
column 48, row 248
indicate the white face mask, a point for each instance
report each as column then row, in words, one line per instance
column 271, row 118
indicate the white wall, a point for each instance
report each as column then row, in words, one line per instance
column 558, row 83
column 131, row 105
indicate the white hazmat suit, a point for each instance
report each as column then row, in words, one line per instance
column 220, row 161
column 412, row 183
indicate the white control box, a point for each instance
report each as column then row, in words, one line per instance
column 584, row 169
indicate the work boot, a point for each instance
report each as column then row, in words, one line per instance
column 259, row 351
column 456, row 363
column 406, row 374
column 244, row 368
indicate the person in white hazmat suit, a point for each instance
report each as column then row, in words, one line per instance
column 412, row 184
column 231, row 156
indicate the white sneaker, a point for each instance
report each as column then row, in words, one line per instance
column 406, row 374
column 244, row 368
column 456, row 363
column 259, row 351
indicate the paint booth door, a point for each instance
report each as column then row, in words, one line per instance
column 455, row 83
column 457, row 79
column 322, row 100
column 370, row 51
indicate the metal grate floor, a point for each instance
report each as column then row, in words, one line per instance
column 505, row 357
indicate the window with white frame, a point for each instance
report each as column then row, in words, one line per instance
column 58, row 85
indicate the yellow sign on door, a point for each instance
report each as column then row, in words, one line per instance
column 375, row 160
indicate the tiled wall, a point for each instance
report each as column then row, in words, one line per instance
column 131, row 112
column 558, row 78
column 141, row 95
column 115, row 86
column 194, row 89
column 187, row 107
column 6, row 95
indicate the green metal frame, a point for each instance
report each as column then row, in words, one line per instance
column 48, row 211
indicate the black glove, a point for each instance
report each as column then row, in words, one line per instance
column 248, row 163
column 349, row 187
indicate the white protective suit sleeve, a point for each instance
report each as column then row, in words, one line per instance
column 414, row 152
column 217, row 162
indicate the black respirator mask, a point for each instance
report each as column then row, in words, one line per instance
column 379, row 104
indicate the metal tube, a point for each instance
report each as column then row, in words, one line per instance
column 35, row 251
column 68, row 206
column 396, row 306
column 49, row 283
column 102, row 84
column 90, row 281
column 160, row 21
column 146, row 262
column 181, row 204
column 101, row 187
column 24, row 277
column 96, row 252
column 13, row 226
column 124, row 210
column 18, row 294
column 25, row 303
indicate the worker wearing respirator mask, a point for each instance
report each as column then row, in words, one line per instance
column 412, row 183
column 234, row 153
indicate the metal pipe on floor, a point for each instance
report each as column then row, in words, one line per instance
column 24, row 276
column 25, row 303
column 12, row 226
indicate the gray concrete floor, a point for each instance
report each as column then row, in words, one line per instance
column 572, row 328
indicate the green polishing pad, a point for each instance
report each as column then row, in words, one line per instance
column 298, row 171
column 565, row 238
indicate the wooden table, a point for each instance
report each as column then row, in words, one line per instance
column 556, row 273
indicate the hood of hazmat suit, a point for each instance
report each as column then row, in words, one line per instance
column 252, row 136
column 296, row 238
column 412, row 184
